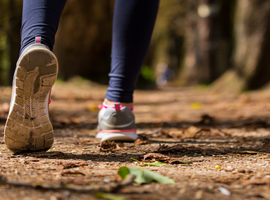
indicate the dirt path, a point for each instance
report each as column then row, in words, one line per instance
column 217, row 146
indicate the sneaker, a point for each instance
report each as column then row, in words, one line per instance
column 116, row 124
column 28, row 127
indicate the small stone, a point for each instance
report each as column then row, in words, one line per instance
column 106, row 180
column 224, row 191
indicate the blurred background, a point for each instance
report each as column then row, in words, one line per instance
column 221, row 43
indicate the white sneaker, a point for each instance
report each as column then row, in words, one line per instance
column 116, row 123
column 28, row 127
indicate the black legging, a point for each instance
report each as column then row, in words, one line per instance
column 133, row 25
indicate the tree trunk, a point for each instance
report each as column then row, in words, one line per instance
column 83, row 41
column 208, row 40
column 2, row 44
column 13, row 35
column 252, row 45
column 10, row 23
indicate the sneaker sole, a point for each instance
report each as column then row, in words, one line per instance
column 28, row 127
column 120, row 136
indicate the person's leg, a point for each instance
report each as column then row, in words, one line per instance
column 133, row 25
column 40, row 18
column 28, row 127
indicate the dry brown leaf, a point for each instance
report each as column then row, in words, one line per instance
column 165, row 133
column 176, row 134
column 140, row 142
column 207, row 119
column 68, row 165
column 190, row 132
column 152, row 157
column 174, row 148
column 244, row 171
column 107, row 146
column 77, row 173
column 246, row 152
column 264, row 181
column 229, row 169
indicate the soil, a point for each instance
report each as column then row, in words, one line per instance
column 215, row 146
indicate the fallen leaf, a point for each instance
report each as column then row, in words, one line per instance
column 196, row 105
column 92, row 108
column 174, row 148
column 72, row 173
column 206, row 119
column 246, row 152
column 153, row 157
column 156, row 163
column 264, row 181
column 100, row 195
column 107, row 146
column 244, row 171
column 199, row 194
column 229, row 169
column 190, row 132
column 165, row 133
column 68, row 165
column 140, row 142
column 144, row 176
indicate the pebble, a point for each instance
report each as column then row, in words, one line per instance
column 106, row 180
column 224, row 191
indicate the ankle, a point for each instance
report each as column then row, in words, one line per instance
column 111, row 103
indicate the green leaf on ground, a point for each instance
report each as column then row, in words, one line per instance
column 100, row 195
column 144, row 176
column 123, row 172
column 156, row 163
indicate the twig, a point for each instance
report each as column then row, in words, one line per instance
column 113, row 187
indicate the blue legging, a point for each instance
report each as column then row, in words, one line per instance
column 133, row 25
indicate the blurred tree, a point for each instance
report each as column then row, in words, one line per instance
column 2, row 43
column 194, row 39
column 252, row 46
column 83, row 40
column 10, row 22
column 208, row 40
column 14, row 8
column 166, row 48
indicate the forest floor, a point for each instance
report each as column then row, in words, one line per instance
column 215, row 146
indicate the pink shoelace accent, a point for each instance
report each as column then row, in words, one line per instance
column 101, row 106
column 50, row 98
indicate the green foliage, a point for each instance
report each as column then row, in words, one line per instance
column 4, row 59
column 156, row 163
column 144, row 176
column 108, row 196
column 147, row 73
column 59, row 80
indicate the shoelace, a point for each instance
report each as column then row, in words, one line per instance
column 101, row 106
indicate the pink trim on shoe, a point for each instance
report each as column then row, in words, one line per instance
column 38, row 39
column 117, row 131
column 106, row 106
